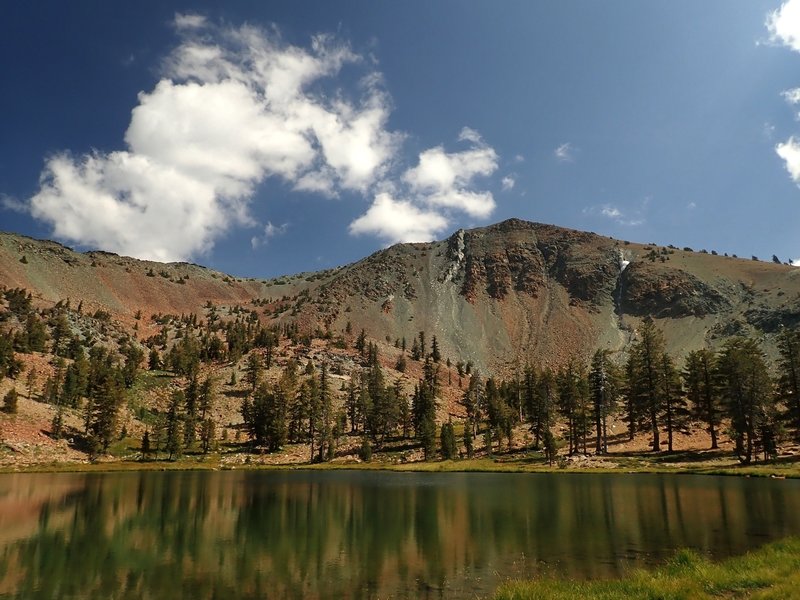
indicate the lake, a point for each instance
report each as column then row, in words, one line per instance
column 361, row 534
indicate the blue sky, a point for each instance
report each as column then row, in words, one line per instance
column 268, row 138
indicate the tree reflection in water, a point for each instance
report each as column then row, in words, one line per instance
column 361, row 534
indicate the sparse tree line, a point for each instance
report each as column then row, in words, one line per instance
column 732, row 386
column 299, row 407
column 733, row 392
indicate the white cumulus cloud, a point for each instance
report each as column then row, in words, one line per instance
column 444, row 179
column 234, row 106
column 791, row 96
column 398, row 221
column 789, row 151
column 508, row 182
column 784, row 25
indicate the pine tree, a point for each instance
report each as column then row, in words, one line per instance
column 468, row 437
column 206, row 398
column 746, row 390
column 604, row 388
column 415, row 352
column 10, row 401
column 404, row 410
column 154, row 361
column 361, row 342
column 424, row 409
column 436, row 356
column 325, row 420
column 105, row 405
column 145, row 449
column 191, row 398
column 472, row 400
column 57, row 424
column 133, row 359
column 702, row 392
column 207, row 434
column 541, row 396
column 573, row 393
column 253, row 370
column 789, row 379
column 645, row 368
column 672, row 398
column 35, row 334
column 447, row 439
column 365, row 450
column 172, row 442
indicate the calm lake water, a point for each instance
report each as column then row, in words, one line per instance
column 357, row 534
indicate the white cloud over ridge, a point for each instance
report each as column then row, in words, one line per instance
column 442, row 183
column 609, row 211
column 398, row 220
column 235, row 106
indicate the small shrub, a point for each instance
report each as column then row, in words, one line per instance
column 365, row 451
column 10, row 401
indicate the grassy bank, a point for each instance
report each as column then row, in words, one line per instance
column 770, row 572
column 516, row 464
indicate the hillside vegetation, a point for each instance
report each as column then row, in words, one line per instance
column 499, row 341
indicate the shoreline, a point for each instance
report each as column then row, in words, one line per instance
column 790, row 470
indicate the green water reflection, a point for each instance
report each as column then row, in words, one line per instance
column 361, row 534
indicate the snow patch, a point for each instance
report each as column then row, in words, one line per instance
column 623, row 261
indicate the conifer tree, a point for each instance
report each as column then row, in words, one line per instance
column 10, row 401
column 604, row 388
column 573, row 392
column 541, row 396
column 404, row 410
column 324, row 427
column 105, row 406
column 352, row 404
column 154, row 360
column 145, row 449
column 702, row 392
column 789, row 379
column 448, row 442
column 424, row 409
column 746, row 390
column 361, row 342
column 191, row 396
column 468, row 437
column 550, row 448
column 472, row 400
column 645, row 368
column 253, row 370
column 436, row 356
column 207, row 434
column 172, row 441
column 672, row 398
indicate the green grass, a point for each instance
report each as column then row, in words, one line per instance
column 769, row 572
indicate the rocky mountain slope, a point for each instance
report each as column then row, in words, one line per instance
column 497, row 296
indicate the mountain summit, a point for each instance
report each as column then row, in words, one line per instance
column 498, row 296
